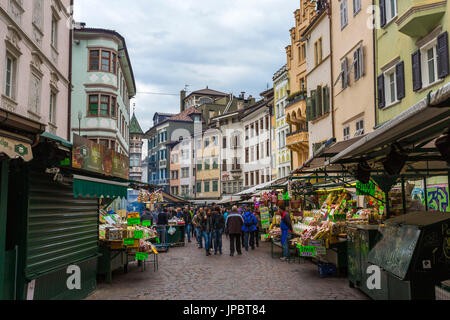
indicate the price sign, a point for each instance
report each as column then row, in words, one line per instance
column 139, row 234
column 320, row 251
column 265, row 217
column 315, row 243
column 142, row 256
column 341, row 216
column 133, row 221
column 128, row 242
column 157, row 240
column 154, row 250
column 146, row 223
column 381, row 210
column 133, row 215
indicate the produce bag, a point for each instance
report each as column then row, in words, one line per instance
column 172, row 231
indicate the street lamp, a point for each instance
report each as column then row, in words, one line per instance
column 80, row 116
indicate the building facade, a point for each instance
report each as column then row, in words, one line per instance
column 136, row 143
column 282, row 129
column 174, row 174
column 257, row 166
column 353, row 72
column 35, row 55
column 232, row 151
column 200, row 97
column 318, row 106
column 103, row 84
column 412, row 55
column 168, row 129
column 298, row 138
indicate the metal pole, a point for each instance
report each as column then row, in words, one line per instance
column 425, row 193
column 3, row 218
column 403, row 196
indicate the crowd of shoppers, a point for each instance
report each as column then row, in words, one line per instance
column 207, row 225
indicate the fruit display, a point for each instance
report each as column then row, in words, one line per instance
column 275, row 233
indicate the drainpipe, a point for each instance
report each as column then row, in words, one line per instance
column 69, row 98
column 331, row 71
column 374, row 65
column 3, row 218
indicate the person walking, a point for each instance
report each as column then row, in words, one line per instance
column 197, row 223
column 191, row 212
column 207, row 228
column 233, row 227
column 258, row 228
column 187, row 223
column 285, row 226
column 248, row 229
column 218, row 226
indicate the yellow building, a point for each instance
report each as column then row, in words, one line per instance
column 207, row 154
column 297, row 139
column 352, row 69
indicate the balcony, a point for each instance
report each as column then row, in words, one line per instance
column 163, row 163
column 421, row 18
column 138, row 170
column 298, row 141
column 236, row 171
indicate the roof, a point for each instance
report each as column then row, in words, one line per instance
column 207, row 92
column 185, row 115
column 135, row 128
column 124, row 44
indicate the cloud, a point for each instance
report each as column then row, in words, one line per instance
column 228, row 45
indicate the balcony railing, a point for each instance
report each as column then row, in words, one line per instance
column 298, row 141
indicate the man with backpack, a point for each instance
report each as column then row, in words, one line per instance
column 233, row 227
column 248, row 229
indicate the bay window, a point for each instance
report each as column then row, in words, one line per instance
column 102, row 105
column 102, row 60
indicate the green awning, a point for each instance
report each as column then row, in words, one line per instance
column 96, row 188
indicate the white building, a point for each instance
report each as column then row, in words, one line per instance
column 282, row 159
column 257, row 143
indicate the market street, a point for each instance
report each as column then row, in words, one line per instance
column 186, row 273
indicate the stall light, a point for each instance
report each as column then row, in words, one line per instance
column 395, row 161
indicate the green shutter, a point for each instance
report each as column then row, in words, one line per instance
column 309, row 116
column 313, row 105
column 326, row 99
column 319, row 106
column 61, row 230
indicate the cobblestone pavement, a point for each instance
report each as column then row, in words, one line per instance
column 186, row 273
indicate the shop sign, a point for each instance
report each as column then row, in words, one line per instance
column 142, row 256
column 367, row 189
column 265, row 217
column 94, row 157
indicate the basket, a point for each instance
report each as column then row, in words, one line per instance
column 327, row 270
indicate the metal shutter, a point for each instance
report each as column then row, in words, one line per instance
column 61, row 230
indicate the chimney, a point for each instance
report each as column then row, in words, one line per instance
column 182, row 97
column 243, row 95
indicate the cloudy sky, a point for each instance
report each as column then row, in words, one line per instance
column 228, row 45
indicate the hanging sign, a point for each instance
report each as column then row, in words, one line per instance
column 265, row 217
column 133, row 214
column 365, row 189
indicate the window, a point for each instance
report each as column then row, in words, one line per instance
column 224, row 165
column 267, row 148
column 267, row 123
column 344, row 14
column 246, row 179
column 359, row 128
column 215, row 163
column 10, row 83
column 391, row 86
column 107, row 107
column 356, row 7
column 35, row 93
column 257, row 128
column 358, row 62
column 207, row 165
column 199, row 187
column 303, row 52
column 429, row 63
column 54, row 34
column 199, row 167
column 247, row 155
column 224, row 142
column 252, row 180
column 246, row 133
column 257, row 152
column 391, row 9
column 103, row 60
column 206, row 186
column 214, row 141
column 215, row 186
column 52, row 109
column 206, row 142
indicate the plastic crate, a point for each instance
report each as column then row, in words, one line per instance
column 327, row 270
